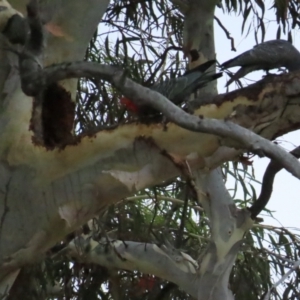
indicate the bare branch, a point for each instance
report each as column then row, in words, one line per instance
column 162, row 62
column 267, row 185
column 226, row 32
column 170, row 264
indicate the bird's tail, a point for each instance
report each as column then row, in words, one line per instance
column 236, row 61
column 193, row 80
column 206, row 78
column 228, row 64
column 199, row 76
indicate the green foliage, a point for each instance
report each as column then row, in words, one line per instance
column 286, row 12
column 136, row 36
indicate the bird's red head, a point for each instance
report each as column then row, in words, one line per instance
column 129, row 105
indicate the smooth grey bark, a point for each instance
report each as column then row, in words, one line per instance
column 198, row 33
column 228, row 226
column 166, row 263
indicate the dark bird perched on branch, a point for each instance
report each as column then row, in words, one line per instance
column 177, row 89
column 265, row 56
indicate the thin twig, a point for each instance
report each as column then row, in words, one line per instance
column 227, row 33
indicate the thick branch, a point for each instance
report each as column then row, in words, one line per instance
column 169, row 264
column 228, row 226
column 244, row 138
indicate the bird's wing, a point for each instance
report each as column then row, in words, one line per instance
column 171, row 87
column 267, row 55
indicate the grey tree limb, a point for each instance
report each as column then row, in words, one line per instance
column 166, row 263
column 228, row 226
column 34, row 82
